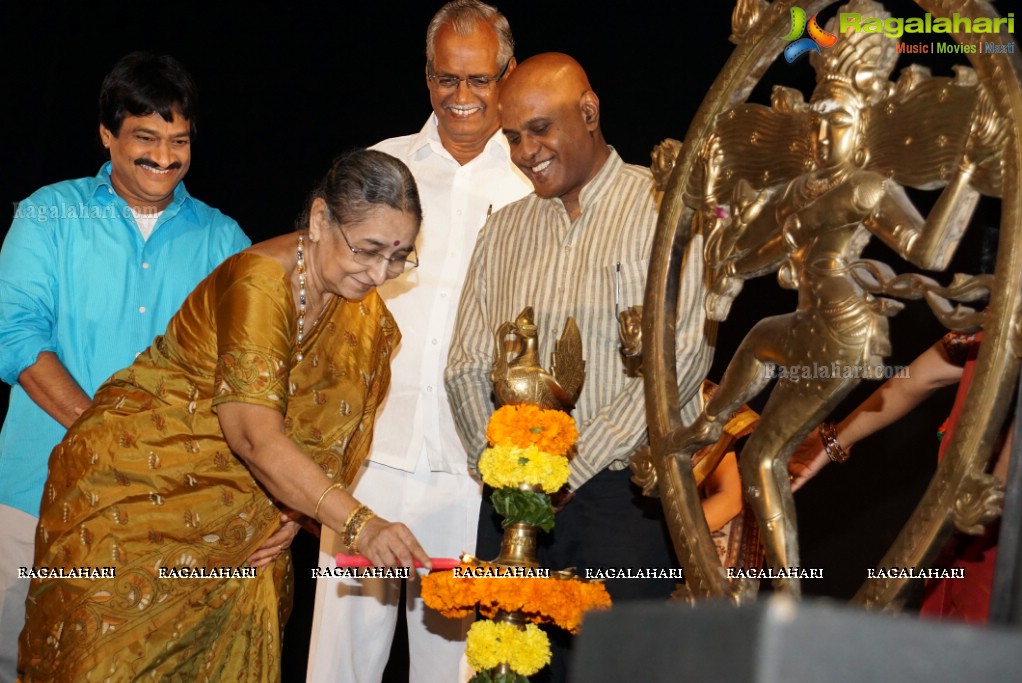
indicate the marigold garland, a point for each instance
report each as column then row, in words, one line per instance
column 490, row 644
column 552, row 431
column 506, row 466
column 529, row 450
column 562, row 602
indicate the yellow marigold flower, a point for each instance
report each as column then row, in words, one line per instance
column 482, row 646
column 550, row 472
column 509, row 467
column 492, row 643
column 532, row 652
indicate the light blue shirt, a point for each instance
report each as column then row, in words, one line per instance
column 78, row 279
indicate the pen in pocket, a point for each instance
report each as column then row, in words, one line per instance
column 617, row 290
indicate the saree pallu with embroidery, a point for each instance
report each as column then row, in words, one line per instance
column 145, row 487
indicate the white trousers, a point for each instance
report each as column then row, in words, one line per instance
column 354, row 620
column 17, row 546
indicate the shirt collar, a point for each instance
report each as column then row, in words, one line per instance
column 428, row 139
column 600, row 183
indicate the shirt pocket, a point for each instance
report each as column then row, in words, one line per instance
column 627, row 283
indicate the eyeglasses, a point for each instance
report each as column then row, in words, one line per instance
column 395, row 266
column 476, row 83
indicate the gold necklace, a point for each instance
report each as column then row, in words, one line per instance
column 301, row 297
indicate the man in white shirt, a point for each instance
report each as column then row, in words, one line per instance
column 418, row 469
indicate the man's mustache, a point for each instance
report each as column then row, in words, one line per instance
column 148, row 163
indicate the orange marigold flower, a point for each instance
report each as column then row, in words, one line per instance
column 543, row 600
column 552, row 431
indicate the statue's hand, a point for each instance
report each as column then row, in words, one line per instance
column 630, row 331
column 665, row 156
column 711, row 161
column 748, row 204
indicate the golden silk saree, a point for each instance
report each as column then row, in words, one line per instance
column 145, row 484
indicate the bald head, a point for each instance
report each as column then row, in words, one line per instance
column 551, row 118
column 553, row 73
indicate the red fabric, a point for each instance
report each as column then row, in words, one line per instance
column 967, row 598
column 968, row 370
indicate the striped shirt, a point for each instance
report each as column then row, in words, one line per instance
column 531, row 254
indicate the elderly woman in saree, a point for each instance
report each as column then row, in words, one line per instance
column 810, row 184
column 260, row 396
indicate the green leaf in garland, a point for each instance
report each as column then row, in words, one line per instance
column 528, row 507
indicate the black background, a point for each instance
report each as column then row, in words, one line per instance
column 285, row 88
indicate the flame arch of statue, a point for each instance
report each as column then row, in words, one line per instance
column 760, row 42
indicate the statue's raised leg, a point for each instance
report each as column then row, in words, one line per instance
column 794, row 409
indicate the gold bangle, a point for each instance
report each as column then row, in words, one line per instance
column 831, row 446
column 357, row 533
column 327, row 490
column 354, row 524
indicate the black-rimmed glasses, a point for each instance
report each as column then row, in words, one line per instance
column 365, row 257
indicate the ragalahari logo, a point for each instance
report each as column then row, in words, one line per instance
column 817, row 36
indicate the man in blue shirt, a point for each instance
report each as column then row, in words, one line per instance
column 90, row 271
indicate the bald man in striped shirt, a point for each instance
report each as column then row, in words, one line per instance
column 578, row 246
